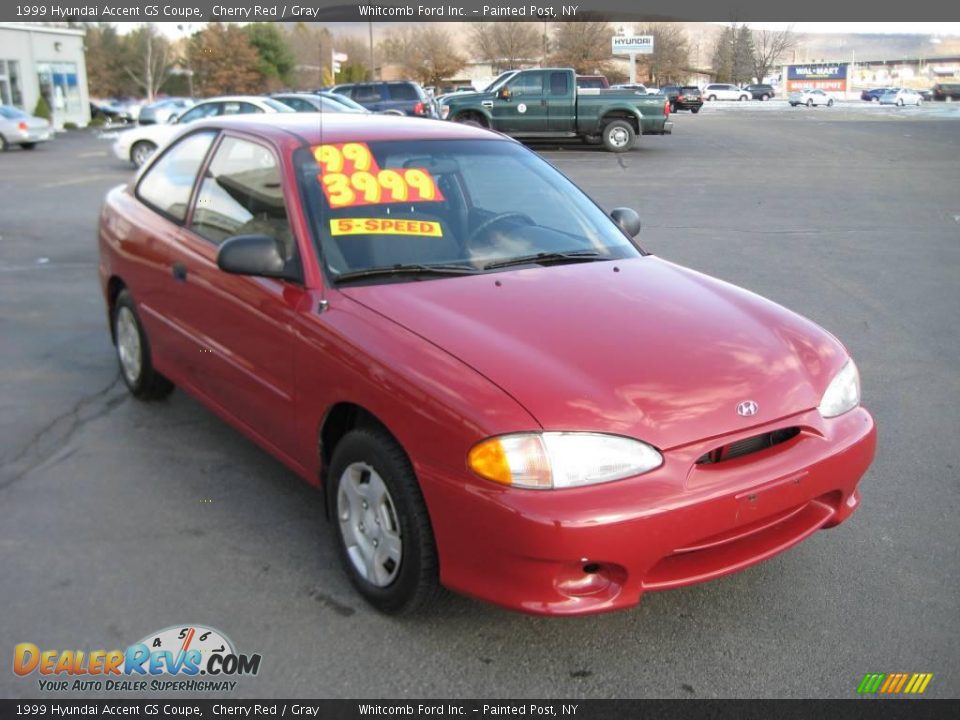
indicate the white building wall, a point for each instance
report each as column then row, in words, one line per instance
column 58, row 54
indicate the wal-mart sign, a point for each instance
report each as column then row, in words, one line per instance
column 632, row 44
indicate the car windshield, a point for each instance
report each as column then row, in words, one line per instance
column 462, row 205
column 276, row 105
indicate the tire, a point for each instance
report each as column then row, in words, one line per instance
column 4, row 145
column 810, row 102
column 673, row 107
column 28, row 146
column 741, row 98
column 694, row 110
column 793, row 104
column 829, row 103
column 919, row 102
column 712, row 98
column 468, row 120
column 899, row 102
column 371, row 480
column 141, row 152
column 618, row 136
column 133, row 353
column 764, row 97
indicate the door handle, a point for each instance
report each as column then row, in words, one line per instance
column 179, row 272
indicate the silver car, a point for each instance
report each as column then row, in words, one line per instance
column 901, row 97
column 18, row 128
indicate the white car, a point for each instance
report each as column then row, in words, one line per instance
column 809, row 98
column 719, row 91
column 901, row 97
column 137, row 145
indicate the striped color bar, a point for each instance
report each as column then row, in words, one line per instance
column 894, row 683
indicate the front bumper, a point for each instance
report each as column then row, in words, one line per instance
column 596, row 549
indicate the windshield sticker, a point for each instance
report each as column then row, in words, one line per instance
column 350, row 177
column 385, row 226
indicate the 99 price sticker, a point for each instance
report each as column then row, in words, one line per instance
column 350, row 177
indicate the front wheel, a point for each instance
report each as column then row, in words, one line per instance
column 384, row 537
column 829, row 103
column 133, row 352
column 712, row 97
column 900, row 102
column 618, row 136
column 809, row 103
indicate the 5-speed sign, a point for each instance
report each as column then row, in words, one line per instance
column 632, row 44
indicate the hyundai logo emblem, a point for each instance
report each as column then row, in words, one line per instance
column 747, row 408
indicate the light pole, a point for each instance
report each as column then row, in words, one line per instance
column 373, row 68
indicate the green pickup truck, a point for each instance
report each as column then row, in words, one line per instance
column 545, row 103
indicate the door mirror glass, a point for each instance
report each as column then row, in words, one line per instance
column 628, row 220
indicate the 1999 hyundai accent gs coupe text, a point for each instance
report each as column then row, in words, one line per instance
column 497, row 390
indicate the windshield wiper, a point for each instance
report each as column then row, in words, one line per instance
column 547, row 257
column 407, row 269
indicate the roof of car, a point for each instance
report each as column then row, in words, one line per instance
column 314, row 129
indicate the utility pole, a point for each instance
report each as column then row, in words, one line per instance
column 373, row 68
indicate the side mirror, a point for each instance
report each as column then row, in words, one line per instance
column 504, row 93
column 628, row 220
column 173, row 119
column 256, row 255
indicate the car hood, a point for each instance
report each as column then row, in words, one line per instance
column 638, row 347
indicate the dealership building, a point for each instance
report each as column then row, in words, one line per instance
column 37, row 61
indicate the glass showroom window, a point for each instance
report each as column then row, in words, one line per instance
column 58, row 84
column 10, row 93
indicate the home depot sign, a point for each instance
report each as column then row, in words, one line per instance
column 830, row 77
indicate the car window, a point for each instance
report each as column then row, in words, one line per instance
column 239, row 108
column 167, row 185
column 559, row 83
column 366, row 93
column 298, row 104
column 526, row 84
column 200, row 111
column 242, row 194
column 403, row 91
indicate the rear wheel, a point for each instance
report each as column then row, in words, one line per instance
column 618, row 136
column 133, row 352
column 899, row 102
column 829, row 103
column 470, row 120
column 383, row 531
column 4, row 145
column 810, row 103
column 712, row 97
column 141, row 152
column 764, row 97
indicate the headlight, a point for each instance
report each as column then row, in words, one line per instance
column 843, row 393
column 561, row 459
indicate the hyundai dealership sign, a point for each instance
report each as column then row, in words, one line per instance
column 632, row 44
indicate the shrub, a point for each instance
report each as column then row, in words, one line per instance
column 70, row 126
column 42, row 110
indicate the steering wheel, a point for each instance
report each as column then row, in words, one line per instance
column 487, row 224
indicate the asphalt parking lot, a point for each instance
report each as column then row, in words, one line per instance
column 119, row 518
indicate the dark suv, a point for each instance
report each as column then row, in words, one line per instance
column 393, row 98
column 761, row 92
column 946, row 91
column 683, row 97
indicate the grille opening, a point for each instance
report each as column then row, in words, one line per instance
column 748, row 445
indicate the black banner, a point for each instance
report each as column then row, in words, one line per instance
column 863, row 709
column 468, row 11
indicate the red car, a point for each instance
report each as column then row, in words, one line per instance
column 496, row 388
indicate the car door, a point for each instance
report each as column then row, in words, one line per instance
column 156, row 249
column 525, row 110
column 561, row 113
column 244, row 324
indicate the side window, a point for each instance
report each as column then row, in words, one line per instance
column 166, row 186
column 527, row 84
column 298, row 104
column 239, row 108
column 559, row 83
column 403, row 91
column 242, row 194
column 366, row 93
column 199, row 112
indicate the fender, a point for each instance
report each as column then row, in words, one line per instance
column 594, row 125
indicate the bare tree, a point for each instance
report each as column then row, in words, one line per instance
column 584, row 46
column 769, row 47
column 150, row 59
column 506, row 44
column 670, row 59
column 424, row 52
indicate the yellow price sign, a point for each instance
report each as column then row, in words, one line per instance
column 385, row 226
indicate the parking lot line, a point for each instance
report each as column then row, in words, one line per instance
column 76, row 180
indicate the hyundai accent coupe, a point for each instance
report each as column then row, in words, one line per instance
column 496, row 389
